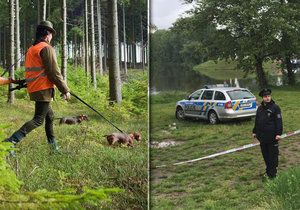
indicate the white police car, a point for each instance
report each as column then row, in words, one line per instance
column 218, row 104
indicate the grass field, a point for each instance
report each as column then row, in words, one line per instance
column 86, row 160
column 227, row 182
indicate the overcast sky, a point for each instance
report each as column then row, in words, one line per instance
column 165, row 12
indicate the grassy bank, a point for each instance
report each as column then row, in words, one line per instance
column 86, row 160
column 227, row 182
column 222, row 69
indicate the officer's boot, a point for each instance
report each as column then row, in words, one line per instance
column 53, row 146
column 15, row 138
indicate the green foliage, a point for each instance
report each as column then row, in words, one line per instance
column 12, row 198
column 284, row 190
column 76, row 31
column 8, row 179
column 134, row 93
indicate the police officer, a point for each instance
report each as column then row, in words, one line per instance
column 268, row 129
column 42, row 75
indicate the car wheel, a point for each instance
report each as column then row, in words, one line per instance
column 213, row 118
column 180, row 113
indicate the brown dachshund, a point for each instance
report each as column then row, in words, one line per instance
column 123, row 138
column 73, row 120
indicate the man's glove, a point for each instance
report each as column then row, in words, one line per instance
column 66, row 96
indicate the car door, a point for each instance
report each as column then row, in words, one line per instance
column 219, row 103
column 193, row 105
column 206, row 101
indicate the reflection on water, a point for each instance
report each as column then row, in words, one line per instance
column 190, row 80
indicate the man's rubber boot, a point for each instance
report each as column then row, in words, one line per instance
column 53, row 146
column 15, row 138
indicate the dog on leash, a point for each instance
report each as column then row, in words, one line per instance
column 122, row 138
column 73, row 120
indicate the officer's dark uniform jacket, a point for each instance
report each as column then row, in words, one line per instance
column 268, row 122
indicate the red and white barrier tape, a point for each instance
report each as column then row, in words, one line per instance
column 229, row 151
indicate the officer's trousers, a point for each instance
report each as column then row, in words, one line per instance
column 270, row 152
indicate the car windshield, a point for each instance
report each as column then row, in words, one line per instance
column 240, row 94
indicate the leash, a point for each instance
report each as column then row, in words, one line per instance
column 228, row 151
column 89, row 106
column 22, row 84
column 10, row 67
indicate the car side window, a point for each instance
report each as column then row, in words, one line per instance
column 207, row 95
column 219, row 96
column 196, row 95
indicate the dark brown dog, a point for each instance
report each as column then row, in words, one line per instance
column 123, row 138
column 73, row 120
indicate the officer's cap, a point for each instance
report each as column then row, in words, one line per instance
column 47, row 25
column 265, row 92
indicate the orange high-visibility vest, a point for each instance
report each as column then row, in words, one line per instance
column 35, row 76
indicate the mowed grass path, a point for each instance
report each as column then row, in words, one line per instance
column 231, row 181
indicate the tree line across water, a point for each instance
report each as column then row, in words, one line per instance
column 249, row 33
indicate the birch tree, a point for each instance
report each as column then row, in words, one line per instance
column 11, row 95
column 44, row 9
column 86, row 39
column 100, row 54
column 124, row 39
column 18, row 52
column 64, row 41
column 93, row 50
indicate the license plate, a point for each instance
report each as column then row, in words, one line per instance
column 245, row 105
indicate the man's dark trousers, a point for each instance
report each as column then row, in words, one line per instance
column 43, row 112
column 270, row 152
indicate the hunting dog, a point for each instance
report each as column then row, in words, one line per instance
column 73, row 120
column 123, row 138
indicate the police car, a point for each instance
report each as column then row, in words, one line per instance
column 216, row 104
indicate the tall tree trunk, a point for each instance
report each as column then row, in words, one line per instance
column 142, row 42
column 105, row 50
column 83, row 51
column 115, row 93
column 18, row 42
column 124, row 39
column 86, row 40
column 24, row 36
column 49, row 8
column 44, row 9
column 1, row 61
column 75, row 50
column 11, row 95
column 5, row 47
column 290, row 73
column 99, row 37
column 93, row 49
column 128, row 54
column 38, row 11
column 261, row 76
column 64, row 41
column 133, row 44
column 133, row 55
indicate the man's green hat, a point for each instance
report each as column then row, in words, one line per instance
column 47, row 25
